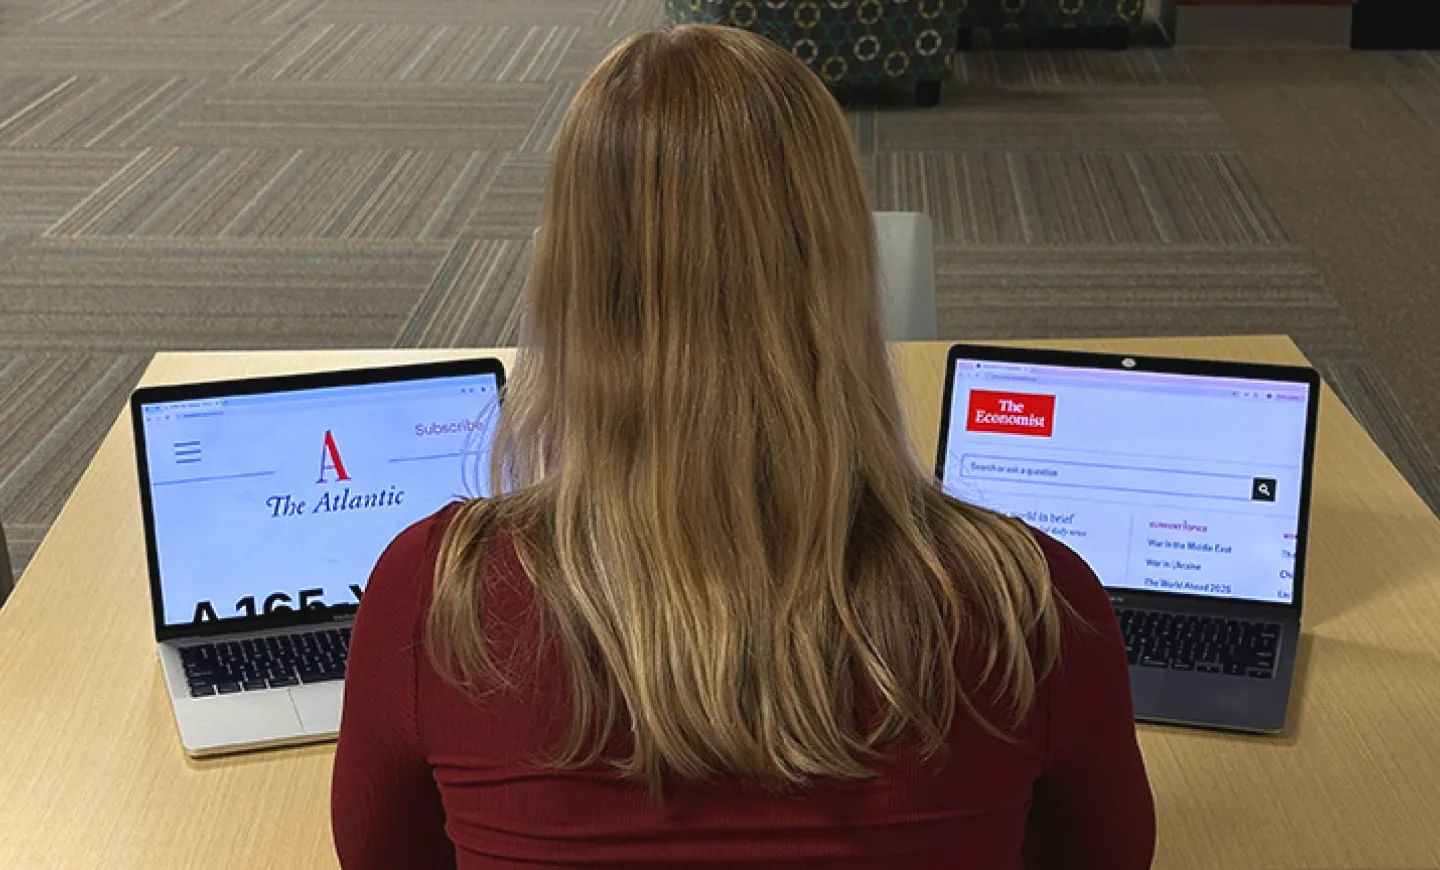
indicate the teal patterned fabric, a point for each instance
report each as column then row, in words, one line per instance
column 846, row 41
column 1052, row 14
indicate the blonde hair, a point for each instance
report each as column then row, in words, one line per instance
column 706, row 473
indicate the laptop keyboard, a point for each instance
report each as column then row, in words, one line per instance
column 257, row 663
column 1207, row 644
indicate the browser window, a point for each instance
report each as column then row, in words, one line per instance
column 284, row 501
column 1163, row 482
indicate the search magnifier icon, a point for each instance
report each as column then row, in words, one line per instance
column 1262, row 489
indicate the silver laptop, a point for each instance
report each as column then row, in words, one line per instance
column 266, row 503
column 1184, row 484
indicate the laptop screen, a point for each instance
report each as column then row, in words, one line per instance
column 1164, row 482
column 268, row 502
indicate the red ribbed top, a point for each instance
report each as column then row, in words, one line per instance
column 428, row 778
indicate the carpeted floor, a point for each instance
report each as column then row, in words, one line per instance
column 306, row 173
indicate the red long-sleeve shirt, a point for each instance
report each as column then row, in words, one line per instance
column 426, row 777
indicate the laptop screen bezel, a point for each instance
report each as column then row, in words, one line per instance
column 250, row 386
column 1173, row 366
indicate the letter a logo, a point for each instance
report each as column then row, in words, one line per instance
column 330, row 459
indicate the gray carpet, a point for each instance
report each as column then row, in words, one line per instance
column 342, row 173
column 1346, row 148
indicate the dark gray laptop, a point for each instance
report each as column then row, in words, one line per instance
column 1184, row 484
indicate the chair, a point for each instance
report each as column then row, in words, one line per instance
column 906, row 241
column 1112, row 18
column 848, row 42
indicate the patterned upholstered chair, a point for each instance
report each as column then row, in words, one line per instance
column 849, row 42
column 1112, row 18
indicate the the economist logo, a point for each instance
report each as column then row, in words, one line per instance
column 1011, row 413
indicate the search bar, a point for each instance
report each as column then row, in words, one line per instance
column 1118, row 478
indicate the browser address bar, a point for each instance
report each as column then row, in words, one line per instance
column 1117, row 478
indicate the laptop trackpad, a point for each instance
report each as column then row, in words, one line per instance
column 1145, row 689
column 319, row 706
column 235, row 721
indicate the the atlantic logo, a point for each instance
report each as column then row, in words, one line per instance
column 331, row 462
column 330, row 459
column 1011, row 413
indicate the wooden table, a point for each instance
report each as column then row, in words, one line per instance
column 92, row 775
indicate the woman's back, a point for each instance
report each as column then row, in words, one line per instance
column 716, row 610
column 1068, row 792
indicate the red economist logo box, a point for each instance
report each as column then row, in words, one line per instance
column 1011, row 413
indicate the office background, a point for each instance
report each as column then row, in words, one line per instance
column 193, row 174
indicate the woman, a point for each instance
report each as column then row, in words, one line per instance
column 722, row 617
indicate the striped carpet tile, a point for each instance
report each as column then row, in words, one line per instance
column 11, row 243
column 337, row 51
column 1029, row 291
column 1368, row 396
column 87, row 111
column 180, row 14
column 141, row 295
column 54, row 410
column 293, row 193
column 543, row 13
column 472, row 301
column 1042, row 70
column 1078, row 119
column 541, row 137
column 512, row 204
column 1079, row 198
column 589, row 48
column 128, row 52
column 40, row 186
column 305, row 114
column 627, row 15
column 1416, row 78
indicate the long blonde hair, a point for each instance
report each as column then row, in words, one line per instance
column 704, row 467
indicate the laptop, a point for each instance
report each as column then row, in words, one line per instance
column 1184, row 484
column 266, row 503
